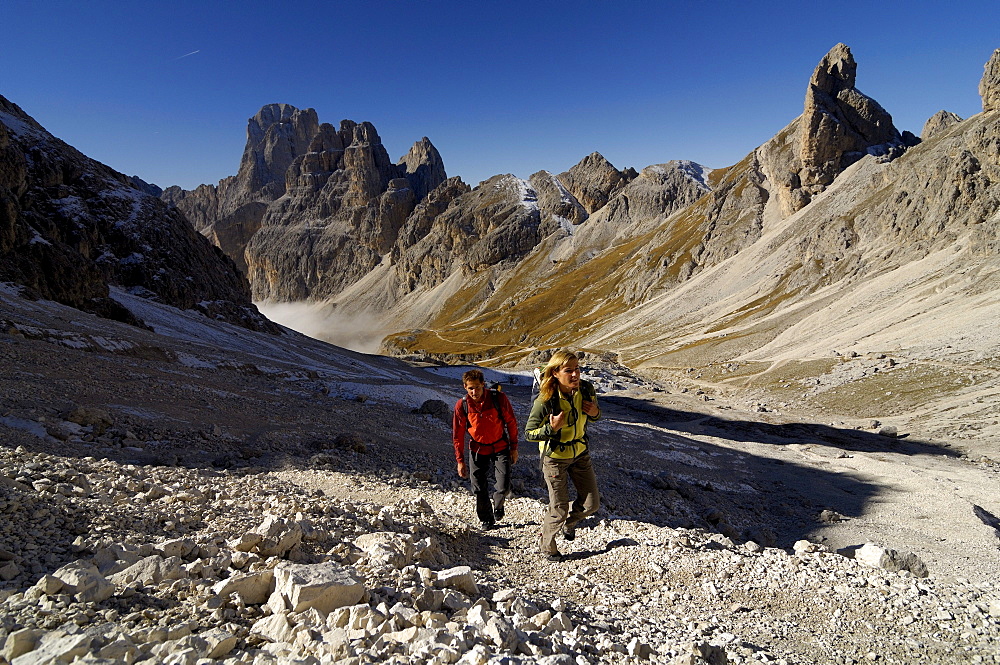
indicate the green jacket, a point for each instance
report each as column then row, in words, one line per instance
column 573, row 435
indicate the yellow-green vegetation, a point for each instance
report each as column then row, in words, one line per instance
column 892, row 392
column 545, row 304
column 572, row 298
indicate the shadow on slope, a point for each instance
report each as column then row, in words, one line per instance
column 776, row 433
column 776, row 484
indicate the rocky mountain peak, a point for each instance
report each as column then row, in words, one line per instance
column 839, row 126
column 424, row 167
column 837, row 71
column 938, row 122
column 276, row 135
column 989, row 85
column 594, row 180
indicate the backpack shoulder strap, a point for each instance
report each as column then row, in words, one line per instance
column 503, row 423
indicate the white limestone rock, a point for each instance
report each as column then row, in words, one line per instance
column 82, row 579
column 21, row 642
column 459, row 578
column 57, row 646
column 325, row 586
column 246, row 542
column 387, row 548
column 278, row 536
column 179, row 547
column 252, row 588
column 276, row 628
column 150, row 571
column 891, row 560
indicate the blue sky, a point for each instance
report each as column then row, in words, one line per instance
column 164, row 90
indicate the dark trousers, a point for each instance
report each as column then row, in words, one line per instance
column 479, row 471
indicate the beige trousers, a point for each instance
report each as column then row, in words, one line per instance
column 558, row 475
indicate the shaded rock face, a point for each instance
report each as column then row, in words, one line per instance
column 313, row 207
column 70, row 227
column 839, row 125
column 989, row 85
column 499, row 220
column 345, row 205
column 938, row 122
column 658, row 190
column 231, row 212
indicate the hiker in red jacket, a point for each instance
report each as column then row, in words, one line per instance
column 488, row 418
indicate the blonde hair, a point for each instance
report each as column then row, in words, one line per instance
column 549, row 384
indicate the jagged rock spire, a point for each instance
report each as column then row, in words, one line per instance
column 839, row 124
column 989, row 85
column 424, row 167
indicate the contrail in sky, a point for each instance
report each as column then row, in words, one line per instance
column 187, row 54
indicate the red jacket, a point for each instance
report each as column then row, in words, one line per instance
column 485, row 426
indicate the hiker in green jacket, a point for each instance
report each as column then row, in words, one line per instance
column 558, row 421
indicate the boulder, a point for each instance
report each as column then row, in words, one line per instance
column 436, row 408
column 387, row 548
column 219, row 642
column 891, row 560
column 21, row 642
column 57, row 646
column 9, row 571
column 325, row 586
column 252, row 588
column 459, row 578
column 149, row 571
column 82, row 579
column 97, row 419
column 179, row 547
column 246, row 542
column 278, row 536
column 275, row 628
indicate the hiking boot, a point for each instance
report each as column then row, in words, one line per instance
column 486, row 526
column 569, row 532
column 554, row 557
column 498, row 513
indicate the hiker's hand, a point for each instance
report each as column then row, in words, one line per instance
column 462, row 471
column 513, row 456
column 556, row 422
column 590, row 408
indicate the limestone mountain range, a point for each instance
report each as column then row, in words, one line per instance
column 840, row 235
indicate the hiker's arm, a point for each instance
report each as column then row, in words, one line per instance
column 538, row 428
column 458, row 435
column 591, row 407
